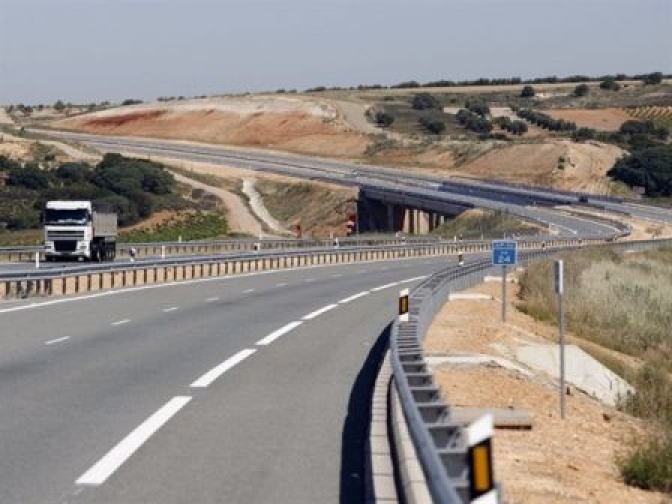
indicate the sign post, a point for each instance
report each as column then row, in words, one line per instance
column 560, row 291
column 504, row 253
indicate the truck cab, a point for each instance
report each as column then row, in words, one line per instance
column 76, row 230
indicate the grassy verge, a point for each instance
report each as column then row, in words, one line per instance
column 623, row 303
column 197, row 226
column 484, row 225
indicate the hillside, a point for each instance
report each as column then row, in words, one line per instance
column 342, row 124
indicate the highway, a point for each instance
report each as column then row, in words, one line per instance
column 249, row 389
column 240, row 389
column 415, row 187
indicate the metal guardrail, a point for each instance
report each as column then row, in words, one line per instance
column 91, row 276
column 439, row 442
column 194, row 247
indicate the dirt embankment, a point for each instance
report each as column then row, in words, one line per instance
column 291, row 125
column 557, row 461
column 561, row 164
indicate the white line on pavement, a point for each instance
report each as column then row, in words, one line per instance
column 383, row 287
column 222, row 368
column 121, row 322
column 414, row 279
column 212, row 299
column 248, row 291
column 276, row 334
column 282, row 284
column 337, row 275
column 353, row 297
column 172, row 308
column 107, row 465
column 319, row 312
column 57, row 340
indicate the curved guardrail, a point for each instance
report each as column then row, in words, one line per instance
column 440, row 442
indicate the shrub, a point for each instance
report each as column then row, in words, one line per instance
column 424, row 101
column 432, row 126
column 384, row 119
column 581, row 90
column 527, row 92
column 653, row 78
column 610, row 84
column 649, row 464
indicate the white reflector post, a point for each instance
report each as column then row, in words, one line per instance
column 403, row 305
column 481, row 478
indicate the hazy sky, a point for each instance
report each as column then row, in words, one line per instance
column 94, row 50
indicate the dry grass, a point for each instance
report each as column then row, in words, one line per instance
column 623, row 303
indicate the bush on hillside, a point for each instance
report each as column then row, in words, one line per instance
column 527, row 92
column 425, row 101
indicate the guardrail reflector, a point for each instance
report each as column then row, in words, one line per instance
column 481, row 478
column 403, row 305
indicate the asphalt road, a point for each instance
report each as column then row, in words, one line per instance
column 243, row 389
column 417, row 187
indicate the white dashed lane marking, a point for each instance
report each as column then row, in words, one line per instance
column 248, row 291
column 212, row 299
column 57, row 340
column 107, row 465
column 276, row 334
column 172, row 308
column 121, row 322
column 222, row 368
column 319, row 312
column 353, row 297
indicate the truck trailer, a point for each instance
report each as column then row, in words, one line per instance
column 79, row 230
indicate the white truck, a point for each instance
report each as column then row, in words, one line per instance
column 79, row 229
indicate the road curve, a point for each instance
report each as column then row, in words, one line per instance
column 238, row 389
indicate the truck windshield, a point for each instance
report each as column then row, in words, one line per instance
column 66, row 217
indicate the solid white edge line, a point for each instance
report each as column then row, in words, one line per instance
column 353, row 297
column 276, row 334
column 383, row 287
column 107, row 465
column 121, row 322
column 319, row 312
column 222, row 368
column 57, row 340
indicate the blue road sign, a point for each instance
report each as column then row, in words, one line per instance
column 504, row 252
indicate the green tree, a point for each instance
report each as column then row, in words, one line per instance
column 653, row 78
column 527, row 92
column 424, row 101
column 610, row 84
column 59, row 106
column 581, row 90
column 433, row 126
column 384, row 119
